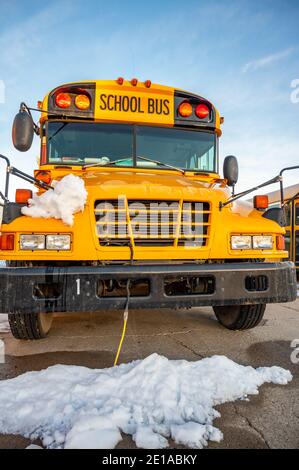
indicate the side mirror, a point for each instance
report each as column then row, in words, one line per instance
column 22, row 131
column 231, row 170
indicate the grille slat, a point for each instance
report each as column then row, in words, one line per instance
column 152, row 222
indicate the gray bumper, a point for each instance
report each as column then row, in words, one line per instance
column 76, row 289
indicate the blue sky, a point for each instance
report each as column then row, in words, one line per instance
column 242, row 55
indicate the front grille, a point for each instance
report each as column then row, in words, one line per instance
column 152, row 223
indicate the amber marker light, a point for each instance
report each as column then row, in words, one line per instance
column 185, row 109
column 7, row 241
column 280, row 242
column 82, row 102
column 261, row 202
column 23, row 195
column 44, row 176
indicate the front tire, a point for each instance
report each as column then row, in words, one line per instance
column 240, row 317
column 30, row 325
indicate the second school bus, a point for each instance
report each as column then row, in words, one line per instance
column 157, row 228
column 291, row 200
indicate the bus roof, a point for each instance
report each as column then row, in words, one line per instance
column 130, row 102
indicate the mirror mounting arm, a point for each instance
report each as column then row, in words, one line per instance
column 41, row 110
column 3, row 157
column 281, row 181
column 276, row 179
column 10, row 170
column 25, row 109
column 30, row 179
column 233, row 189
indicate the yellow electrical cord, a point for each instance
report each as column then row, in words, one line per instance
column 126, row 314
column 121, row 340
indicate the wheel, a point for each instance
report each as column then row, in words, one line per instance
column 30, row 325
column 240, row 317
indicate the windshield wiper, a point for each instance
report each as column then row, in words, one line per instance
column 157, row 162
column 162, row 163
column 108, row 163
column 58, row 130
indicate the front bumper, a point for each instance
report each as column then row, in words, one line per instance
column 76, row 288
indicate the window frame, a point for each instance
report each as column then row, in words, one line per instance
column 134, row 146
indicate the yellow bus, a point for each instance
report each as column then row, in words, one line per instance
column 291, row 197
column 160, row 227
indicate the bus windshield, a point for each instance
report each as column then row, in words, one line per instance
column 77, row 143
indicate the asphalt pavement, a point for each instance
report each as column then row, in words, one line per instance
column 268, row 420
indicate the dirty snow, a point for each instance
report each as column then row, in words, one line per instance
column 68, row 197
column 4, row 325
column 152, row 399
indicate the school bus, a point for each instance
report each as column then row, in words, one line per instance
column 158, row 228
column 291, row 198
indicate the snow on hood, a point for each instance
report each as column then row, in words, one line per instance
column 68, row 197
column 152, row 399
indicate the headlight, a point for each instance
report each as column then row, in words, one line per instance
column 262, row 242
column 241, row 242
column 58, row 242
column 32, row 242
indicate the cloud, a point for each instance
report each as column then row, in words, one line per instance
column 267, row 60
column 22, row 41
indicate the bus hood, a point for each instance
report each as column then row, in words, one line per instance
column 239, row 216
column 151, row 185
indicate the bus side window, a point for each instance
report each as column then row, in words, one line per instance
column 297, row 214
column 288, row 214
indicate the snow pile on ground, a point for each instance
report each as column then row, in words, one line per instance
column 68, row 197
column 4, row 325
column 152, row 399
